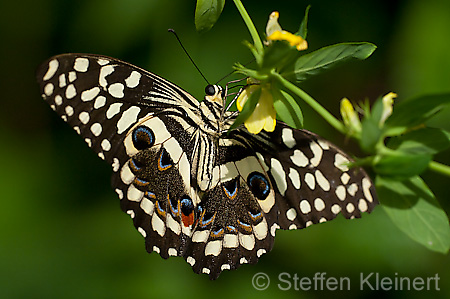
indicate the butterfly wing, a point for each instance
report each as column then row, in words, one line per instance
column 128, row 116
column 311, row 178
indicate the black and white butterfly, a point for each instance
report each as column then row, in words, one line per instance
column 193, row 187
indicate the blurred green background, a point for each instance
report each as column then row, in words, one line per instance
column 62, row 233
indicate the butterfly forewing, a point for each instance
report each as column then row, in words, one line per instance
column 214, row 199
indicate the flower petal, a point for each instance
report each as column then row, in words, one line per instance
column 294, row 40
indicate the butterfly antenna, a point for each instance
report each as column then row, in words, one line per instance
column 185, row 51
column 232, row 72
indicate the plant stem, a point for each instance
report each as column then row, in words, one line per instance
column 333, row 121
column 439, row 168
column 251, row 27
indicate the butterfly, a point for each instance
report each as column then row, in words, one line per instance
column 193, row 187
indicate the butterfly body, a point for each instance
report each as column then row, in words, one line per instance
column 193, row 187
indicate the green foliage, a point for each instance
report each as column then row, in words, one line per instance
column 403, row 147
column 287, row 108
column 303, row 30
column 207, row 12
column 413, row 208
column 414, row 112
column 325, row 58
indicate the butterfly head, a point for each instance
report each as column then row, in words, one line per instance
column 214, row 93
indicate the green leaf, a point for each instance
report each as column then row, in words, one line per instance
column 370, row 134
column 328, row 57
column 377, row 111
column 207, row 12
column 423, row 141
column 414, row 112
column 413, row 208
column 287, row 108
column 303, row 30
column 279, row 54
column 401, row 165
column 248, row 108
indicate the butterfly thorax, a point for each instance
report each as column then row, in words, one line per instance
column 213, row 112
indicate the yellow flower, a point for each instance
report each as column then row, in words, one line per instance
column 388, row 102
column 350, row 117
column 264, row 115
column 275, row 32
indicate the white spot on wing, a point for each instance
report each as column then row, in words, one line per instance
column 115, row 164
column 128, row 117
column 288, row 137
column 352, row 189
column 172, row 252
column 291, row 214
column 147, row 206
column 84, row 117
column 335, row 209
column 48, row 89
column 81, row 64
column 260, row 252
column 62, row 80
column 96, row 129
column 299, row 158
column 106, row 145
column 366, row 184
column 69, row 110
column 279, row 175
column 340, row 162
column 200, row 236
column 102, row 61
column 322, row 181
column 190, row 260
column 319, row 204
column 323, row 144
column 310, row 181
column 247, row 241
column 260, row 230
column 71, row 92
column 350, row 207
column 131, row 213
column 305, row 207
column 295, row 178
column 90, row 94
column 113, row 110
column 158, row 225
column 173, row 225
column 104, row 72
column 362, row 205
column 341, row 192
column 142, row 231
column 52, row 68
column 213, row 247
column 58, row 100
column 345, row 178
column 230, row 241
column 126, row 175
column 100, row 101
column 317, row 152
column 119, row 193
column 134, row 194
column 72, row 76
column 133, row 80
column 116, row 90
